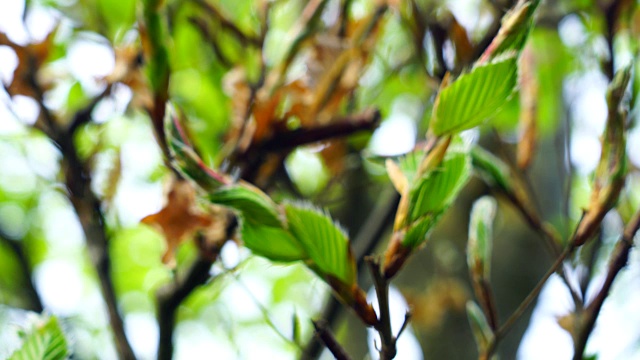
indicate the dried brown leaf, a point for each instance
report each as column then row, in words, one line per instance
column 179, row 219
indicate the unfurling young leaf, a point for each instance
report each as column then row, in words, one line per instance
column 475, row 96
column 435, row 191
column 419, row 210
column 185, row 159
column 479, row 246
column 491, row 169
column 514, row 31
column 612, row 169
column 528, row 123
column 45, row 342
column 479, row 326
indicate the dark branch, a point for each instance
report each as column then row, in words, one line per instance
column 618, row 260
column 171, row 296
column 323, row 332
column 88, row 208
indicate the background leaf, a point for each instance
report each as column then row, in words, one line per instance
column 46, row 342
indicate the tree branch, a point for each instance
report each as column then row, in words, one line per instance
column 617, row 262
column 171, row 296
column 323, row 332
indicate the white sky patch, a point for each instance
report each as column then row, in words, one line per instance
column 586, row 94
column 16, row 176
column 59, row 283
column 114, row 105
column 26, row 109
column 633, row 146
column 545, row 339
column 60, row 222
column 40, row 22
column 408, row 346
column 90, row 59
column 572, row 31
column 193, row 340
column 142, row 331
column 585, row 152
column 8, row 63
column 43, row 158
column 11, row 21
column 395, row 136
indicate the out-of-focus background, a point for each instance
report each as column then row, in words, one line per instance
column 248, row 310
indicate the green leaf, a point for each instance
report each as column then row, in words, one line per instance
column 491, row 168
column 119, row 15
column 326, row 244
column 514, row 31
column 479, row 326
column 480, row 237
column 435, row 191
column 475, row 96
column 409, row 164
column 273, row 243
column 255, row 207
column 46, row 342
column 185, row 159
column 419, row 229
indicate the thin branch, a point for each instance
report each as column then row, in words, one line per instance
column 323, row 332
column 285, row 141
column 88, row 208
column 405, row 323
column 339, row 127
column 227, row 24
column 617, row 262
column 171, row 296
column 203, row 27
column 499, row 334
column 83, row 116
column 388, row 349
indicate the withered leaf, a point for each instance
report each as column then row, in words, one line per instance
column 179, row 219
column 30, row 59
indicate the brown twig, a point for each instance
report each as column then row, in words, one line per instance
column 617, row 262
column 83, row 115
column 323, row 333
column 171, row 296
column 388, row 348
column 285, row 141
column 88, row 208
column 517, row 314
column 227, row 24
